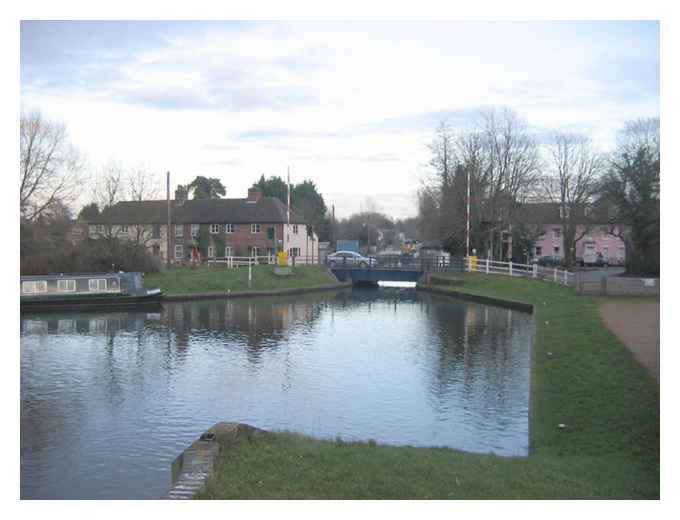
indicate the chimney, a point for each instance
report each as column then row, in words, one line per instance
column 254, row 194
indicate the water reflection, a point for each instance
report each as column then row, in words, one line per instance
column 109, row 399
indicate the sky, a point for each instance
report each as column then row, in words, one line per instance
column 351, row 106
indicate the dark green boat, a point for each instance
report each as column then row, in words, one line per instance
column 76, row 291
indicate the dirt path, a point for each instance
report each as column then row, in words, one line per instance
column 636, row 324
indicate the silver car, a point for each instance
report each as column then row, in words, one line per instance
column 349, row 259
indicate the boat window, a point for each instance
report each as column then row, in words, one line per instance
column 39, row 286
column 97, row 284
column 66, row 285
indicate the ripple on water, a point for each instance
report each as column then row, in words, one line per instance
column 108, row 402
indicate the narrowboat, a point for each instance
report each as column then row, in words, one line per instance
column 67, row 291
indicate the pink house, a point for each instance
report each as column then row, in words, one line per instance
column 596, row 239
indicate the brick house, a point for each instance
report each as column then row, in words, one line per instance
column 591, row 225
column 254, row 226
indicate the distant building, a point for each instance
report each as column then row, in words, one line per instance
column 254, row 226
column 592, row 227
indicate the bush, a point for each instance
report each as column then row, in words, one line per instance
column 44, row 249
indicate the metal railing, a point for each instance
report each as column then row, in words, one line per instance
column 549, row 274
column 239, row 261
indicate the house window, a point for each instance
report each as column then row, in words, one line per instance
column 97, row 285
column 179, row 230
column 211, row 252
column 605, row 251
column 228, row 251
column 294, row 251
column 254, row 251
column 214, row 228
column 254, row 228
column 195, row 228
column 538, row 251
column 124, row 230
column 39, row 286
column 295, row 229
column 156, row 250
column 622, row 252
column 156, row 233
column 66, row 285
column 179, row 252
column 557, row 233
column 229, row 228
column 556, row 250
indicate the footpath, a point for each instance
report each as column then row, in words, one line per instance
column 636, row 324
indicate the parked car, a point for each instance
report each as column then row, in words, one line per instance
column 548, row 261
column 597, row 261
column 349, row 259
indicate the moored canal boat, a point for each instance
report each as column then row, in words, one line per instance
column 76, row 291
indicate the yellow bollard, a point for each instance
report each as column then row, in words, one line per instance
column 473, row 263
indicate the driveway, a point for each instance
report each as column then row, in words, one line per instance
column 593, row 275
column 635, row 321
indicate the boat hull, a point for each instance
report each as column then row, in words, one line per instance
column 82, row 302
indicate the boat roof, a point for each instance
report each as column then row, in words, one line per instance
column 74, row 275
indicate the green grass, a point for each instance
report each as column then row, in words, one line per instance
column 589, row 382
column 185, row 281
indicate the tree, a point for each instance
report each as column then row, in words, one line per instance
column 305, row 200
column 142, row 185
column 274, row 186
column 49, row 169
column 572, row 183
column 500, row 159
column 632, row 187
column 206, row 188
column 89, row 212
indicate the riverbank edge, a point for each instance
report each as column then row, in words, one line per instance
column 196, row 464
column 253, row 294
column 476, row 298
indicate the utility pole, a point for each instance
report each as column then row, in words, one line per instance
column 167, row 255
column 467, row 217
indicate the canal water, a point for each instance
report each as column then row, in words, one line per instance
column 108, row 400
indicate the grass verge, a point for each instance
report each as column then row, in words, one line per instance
column 583, row 377
column 203, row 279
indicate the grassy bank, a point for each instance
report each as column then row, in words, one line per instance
column 583, row 377
column 186, row 281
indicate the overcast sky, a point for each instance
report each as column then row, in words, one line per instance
column 351, row 106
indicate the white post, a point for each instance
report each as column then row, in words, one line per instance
column 565, row 278
column 487, row 265
column 535, row 270
column 555, row 275
column 250, row 274
column 510, row 267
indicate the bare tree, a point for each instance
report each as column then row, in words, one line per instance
column 142, row 185
column 50, row 168
column 503, row 162
column 108, row 190
column 572, row 183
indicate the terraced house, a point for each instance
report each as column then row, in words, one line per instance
column 253, row 226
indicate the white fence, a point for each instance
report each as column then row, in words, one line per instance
column 238, row 261
column 549, row 274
